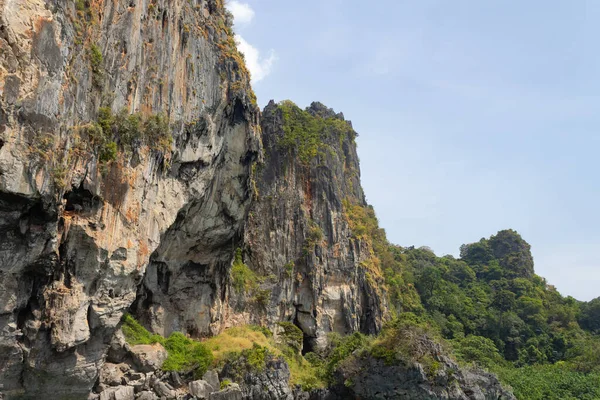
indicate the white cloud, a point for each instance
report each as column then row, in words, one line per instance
column 259, row 66
column 242, row 12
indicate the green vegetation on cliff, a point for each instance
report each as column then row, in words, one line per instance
column 244, row 348
column 184, row 354
column 490, row 309
column 307, row 134
column 123, row 132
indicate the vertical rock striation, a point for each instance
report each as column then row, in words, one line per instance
column 312, row 268
column 76, row 229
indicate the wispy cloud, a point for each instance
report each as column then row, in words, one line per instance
column 259, row 66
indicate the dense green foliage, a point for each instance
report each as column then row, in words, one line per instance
column 491, row 310
column 250, row 346
column 551, row 382
column 306, row 135
column 491, row 292
column 184, row 354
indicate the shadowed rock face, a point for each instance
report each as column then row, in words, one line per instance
column 76, row 235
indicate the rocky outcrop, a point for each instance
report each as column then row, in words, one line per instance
column 77, row 230
column 312, row 269
column 366, row 377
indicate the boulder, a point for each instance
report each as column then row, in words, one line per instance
column 148, row 357
column 164, row 390
column 111, row 375
column 118, row 348
column 146, row 395
column 212, row 378
column 201, row 389
column 124, row 393
column 231, row 392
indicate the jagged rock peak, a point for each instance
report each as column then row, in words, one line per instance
column 326, row 280
column 318, row 109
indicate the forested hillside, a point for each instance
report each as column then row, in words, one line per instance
column 491, row 309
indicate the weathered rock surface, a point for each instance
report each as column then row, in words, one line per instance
column 366, row 377
column 231, row 392
column 212, row 378
column 148, row 357
column 321, row 284
column 201, row 389
column 268, row 383
column 76, row 234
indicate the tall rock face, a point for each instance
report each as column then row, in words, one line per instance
column 88, row 192
column 312, row 268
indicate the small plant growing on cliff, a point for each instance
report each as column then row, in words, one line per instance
column 313, row 237
column 108, row 152
column 225, row 383
column 135, row 333
column 125, row 132
column 59, row 175
column 289, row 269
column 262, row 297
column 80, row 5
column 244, row 279
column 157, row 133
column 96, row 60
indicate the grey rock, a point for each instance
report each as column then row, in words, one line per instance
column 111, row 375
column 146, row 395
column 372, row 378
column 320, row 282
column 176, row 380
column 201, row 389
column 270, row 383
column 124, row 393
column 108, row 394
column 148, row 357
column 212, row 378
column 231, row 392
column 118, row 348
column 162, row 389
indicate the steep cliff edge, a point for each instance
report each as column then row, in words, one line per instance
column 318, row 273
column 88, row 191
column 301, row 262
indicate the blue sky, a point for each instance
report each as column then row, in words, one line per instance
column 473, row 116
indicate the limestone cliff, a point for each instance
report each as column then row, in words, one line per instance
column 316, row 270
column 83, row 203
column 137, row 174
column 305, row 265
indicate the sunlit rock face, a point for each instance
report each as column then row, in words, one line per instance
column 77, row 231
column 314, row 271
